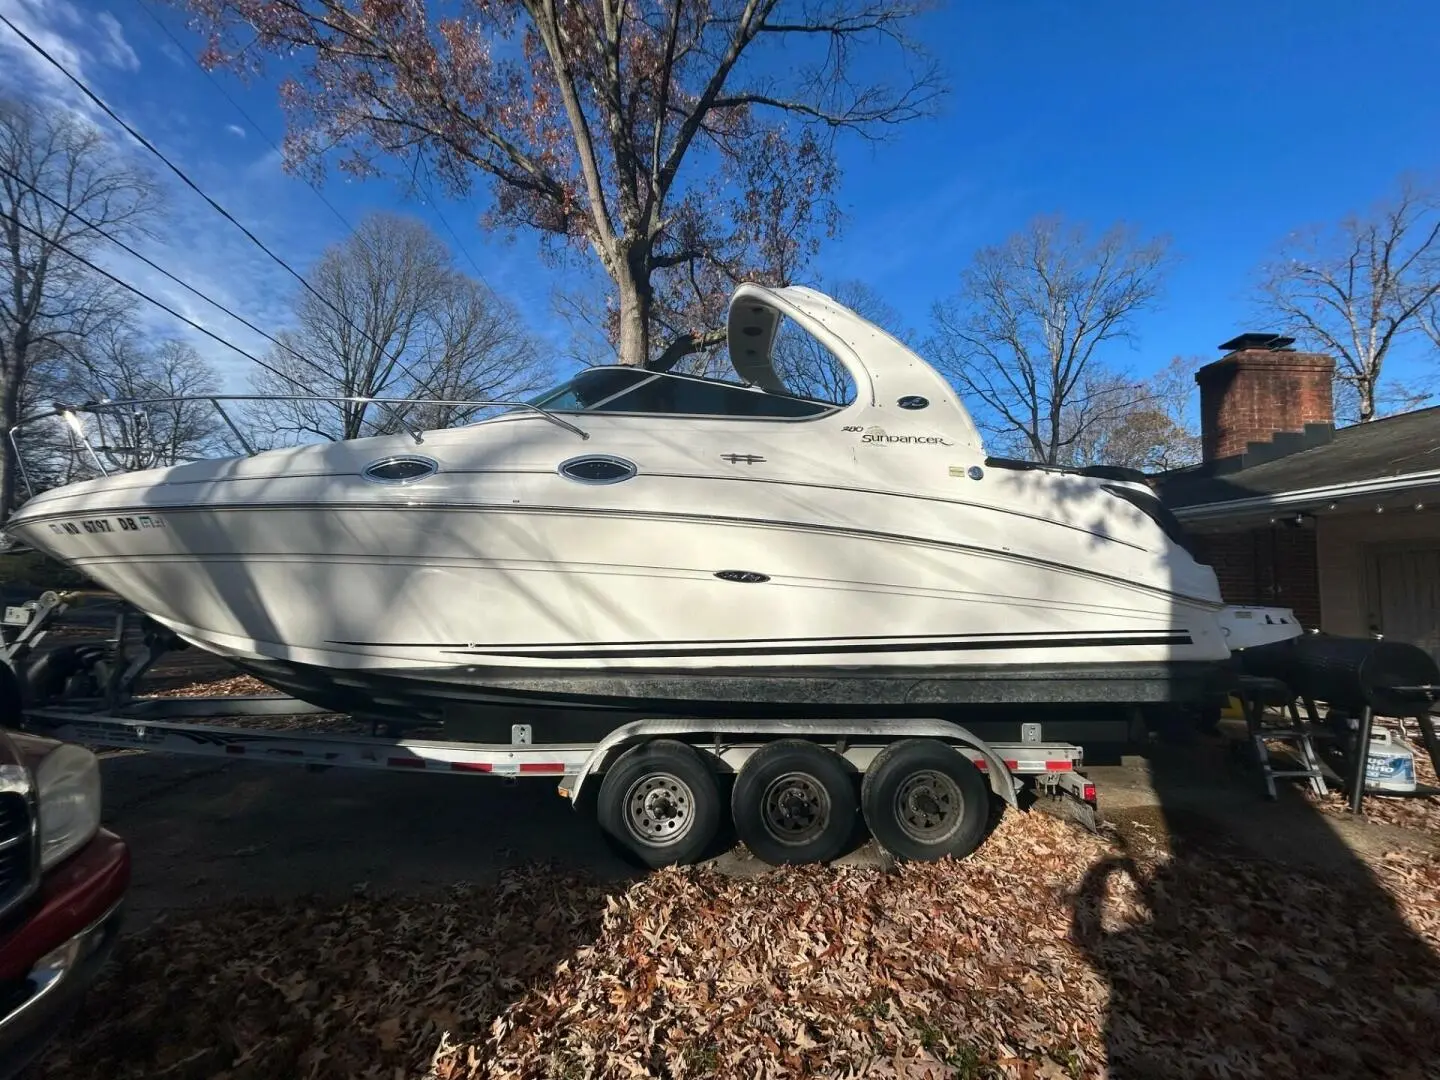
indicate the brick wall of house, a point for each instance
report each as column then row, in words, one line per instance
column 1275, row 566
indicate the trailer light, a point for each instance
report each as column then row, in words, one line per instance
column 1089, row 793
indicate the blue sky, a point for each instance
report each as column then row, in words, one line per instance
column 1222, row 125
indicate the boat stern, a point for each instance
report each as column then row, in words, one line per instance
column 1246, row 627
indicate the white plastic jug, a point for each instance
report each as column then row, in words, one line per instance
column 1390, row 765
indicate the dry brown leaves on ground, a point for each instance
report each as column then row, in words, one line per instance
column 248, row 686
column 234, row 686
column 1049, row 953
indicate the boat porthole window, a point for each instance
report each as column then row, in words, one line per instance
column 597, row 469
column 913, row 401
column 975, row 472
column 400, row 470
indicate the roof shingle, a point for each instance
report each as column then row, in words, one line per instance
column 1394, row 446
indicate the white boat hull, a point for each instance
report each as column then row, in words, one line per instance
column 774, row 564
column 495, row 595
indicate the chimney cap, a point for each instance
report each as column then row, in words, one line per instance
column 1260, row 341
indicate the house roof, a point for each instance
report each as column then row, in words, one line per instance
column 1394, row 446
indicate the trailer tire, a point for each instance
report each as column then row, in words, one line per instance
column 659, row 805
column 794, row 802
column 924, row 800
column 47, row 678
column 12, row 699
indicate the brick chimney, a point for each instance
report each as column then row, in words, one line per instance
column 1264, row 400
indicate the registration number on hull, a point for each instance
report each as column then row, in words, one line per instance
column 132, row 523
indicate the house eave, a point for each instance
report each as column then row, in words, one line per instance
column 1309, row 499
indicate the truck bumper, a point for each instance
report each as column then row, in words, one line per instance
column 75, row 923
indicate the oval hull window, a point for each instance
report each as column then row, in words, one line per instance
column 913, row 401
column 399, row 470
column 597, row 469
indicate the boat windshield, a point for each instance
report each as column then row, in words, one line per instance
column 633, row 390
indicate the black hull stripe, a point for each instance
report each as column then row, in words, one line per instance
column 767, row 643
column 794, row 650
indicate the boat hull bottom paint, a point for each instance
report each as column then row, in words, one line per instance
column 595, row 703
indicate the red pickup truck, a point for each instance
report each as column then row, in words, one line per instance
column 62, row 883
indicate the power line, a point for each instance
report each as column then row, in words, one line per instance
column 96, row 227
column 430, row 189
column 158, row 303
column 255, row 125
column 240, row 109
column 423, row 383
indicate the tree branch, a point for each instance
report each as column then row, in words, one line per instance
column 684, row 345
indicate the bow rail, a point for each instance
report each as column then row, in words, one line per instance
column 71, row 414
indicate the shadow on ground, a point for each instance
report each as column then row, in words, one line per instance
column 1296, row 967
column 369, row 949
column 366, row 987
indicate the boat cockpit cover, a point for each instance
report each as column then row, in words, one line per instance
column 884, row 370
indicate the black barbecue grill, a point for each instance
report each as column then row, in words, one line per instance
column 1356, row 677
column 1392, row 678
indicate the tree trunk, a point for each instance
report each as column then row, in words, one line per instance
column 9, row 413
column 635, row 295
column 1367, row 399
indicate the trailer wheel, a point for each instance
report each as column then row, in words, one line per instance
column 794, row 802
column 924, row 800
column 65, row 672
column 12, row 699
column 659, row 804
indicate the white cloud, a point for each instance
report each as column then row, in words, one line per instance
column 25, row 70
column 194, row 243
column 198, row 246
column 75, row 40
column 236, row 130
column 268, row 166
column 114, row 47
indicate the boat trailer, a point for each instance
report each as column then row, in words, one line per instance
column 86, row 693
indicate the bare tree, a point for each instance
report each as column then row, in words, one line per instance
column 484, row 353
column 113, row 365
column 118, row 367
column 685, row 144
column 1021, row 336
column 54, row 171
column 1356, row 290
column 1430, row 324
column 1153, row 432
column 396, row 319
